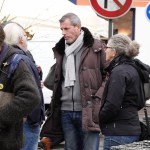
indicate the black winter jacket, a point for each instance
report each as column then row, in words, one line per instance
column 122, row 95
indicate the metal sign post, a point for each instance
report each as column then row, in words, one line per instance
column 110, row 25
column 111, row 9
column 110, row 28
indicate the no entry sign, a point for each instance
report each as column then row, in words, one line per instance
column 148, row 11
column 111, row 9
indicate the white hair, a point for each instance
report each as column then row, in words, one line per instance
column 13, row 32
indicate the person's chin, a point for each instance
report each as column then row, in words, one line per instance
column 68, row 42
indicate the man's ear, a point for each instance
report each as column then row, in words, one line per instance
column 78, row 26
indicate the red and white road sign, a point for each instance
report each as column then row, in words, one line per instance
column 111, row 9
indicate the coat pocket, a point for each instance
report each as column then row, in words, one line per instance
column 5, row 98
column 90, row 113
column 96, row 103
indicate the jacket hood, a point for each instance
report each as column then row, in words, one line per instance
column 88, row 41
column 142, row 69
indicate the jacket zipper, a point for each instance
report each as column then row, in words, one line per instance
column 72, row 98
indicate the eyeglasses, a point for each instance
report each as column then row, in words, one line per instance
column 26, row 36
column 109, row 47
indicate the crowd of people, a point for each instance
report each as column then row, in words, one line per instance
column 96, row 90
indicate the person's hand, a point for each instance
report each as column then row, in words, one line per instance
column 39, row 68
column 42, row 84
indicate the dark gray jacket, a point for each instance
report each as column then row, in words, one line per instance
column 24, row 97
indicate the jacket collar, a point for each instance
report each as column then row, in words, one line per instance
column 88, row 41
column 121, row 59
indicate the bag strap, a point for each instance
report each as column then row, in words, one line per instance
column 13, row 64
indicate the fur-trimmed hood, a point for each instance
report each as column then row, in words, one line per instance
column 88, row 41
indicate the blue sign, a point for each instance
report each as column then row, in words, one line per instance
column 73, row 1
column 148, row 11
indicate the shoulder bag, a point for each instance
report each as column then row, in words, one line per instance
column 49, row 80
column 145, row 128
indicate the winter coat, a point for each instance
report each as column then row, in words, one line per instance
column 122, row 97
column 37, row 116
column 90, row 77
column 23, row 95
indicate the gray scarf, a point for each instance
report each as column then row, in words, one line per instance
column 70, row 51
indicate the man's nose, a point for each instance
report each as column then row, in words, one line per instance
column 63, row 32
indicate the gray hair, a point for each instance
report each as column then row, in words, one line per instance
column 124, row 45
column 74, row 19
column 13, row 32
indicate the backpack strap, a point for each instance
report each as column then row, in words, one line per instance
column 13, row 64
